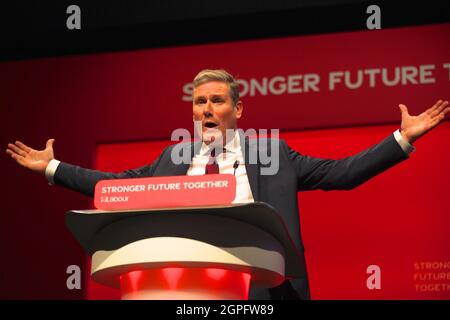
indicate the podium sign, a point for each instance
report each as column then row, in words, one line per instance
column 165, row 192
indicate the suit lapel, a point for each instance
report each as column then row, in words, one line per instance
column 251, row 168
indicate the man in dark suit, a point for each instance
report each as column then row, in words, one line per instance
column 217, row 109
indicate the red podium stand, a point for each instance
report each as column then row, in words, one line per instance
column 187, row 253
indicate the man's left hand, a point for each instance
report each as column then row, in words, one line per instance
column 413, row 127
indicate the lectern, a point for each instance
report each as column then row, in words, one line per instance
column 214, row 252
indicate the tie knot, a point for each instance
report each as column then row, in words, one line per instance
column 212, row 166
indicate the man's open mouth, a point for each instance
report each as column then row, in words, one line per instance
column 210, row 124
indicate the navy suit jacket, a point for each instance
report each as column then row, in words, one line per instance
column 296, row 172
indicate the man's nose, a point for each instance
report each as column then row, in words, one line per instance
column 208, row 109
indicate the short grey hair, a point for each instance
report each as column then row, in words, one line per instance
column 208, row 75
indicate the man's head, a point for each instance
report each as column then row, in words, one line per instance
column 216, row 103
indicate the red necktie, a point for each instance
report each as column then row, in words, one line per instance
column 212, row 166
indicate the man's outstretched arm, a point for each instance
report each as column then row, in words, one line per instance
column 347, row 173
column 73, row 177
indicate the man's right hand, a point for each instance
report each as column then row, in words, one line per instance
column 36, row 160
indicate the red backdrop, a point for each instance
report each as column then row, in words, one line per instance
column 83, row 101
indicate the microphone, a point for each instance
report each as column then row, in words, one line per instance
column 235, row 166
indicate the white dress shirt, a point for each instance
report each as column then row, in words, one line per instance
column 226, row 161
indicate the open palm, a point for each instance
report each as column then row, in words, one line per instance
column 413, row 127
column 36, row 160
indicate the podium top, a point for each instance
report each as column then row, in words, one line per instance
column 85, row 224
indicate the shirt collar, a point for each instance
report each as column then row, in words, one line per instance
column 232, row 146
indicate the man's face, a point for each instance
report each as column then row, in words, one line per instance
column 213, row 106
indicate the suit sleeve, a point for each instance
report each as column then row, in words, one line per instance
column 347, row 173
column 84, row 180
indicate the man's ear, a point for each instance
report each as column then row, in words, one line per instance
column 239, row 108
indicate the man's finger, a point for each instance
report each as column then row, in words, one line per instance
column 17, row 149
column 446, row 110
column 439, row 109
column 12, row 154
column 445, row 105
column 50, row 143
column 403, row 109
column 23, row 146
column 19, row 159
column 434, row 107
column 436, row 121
